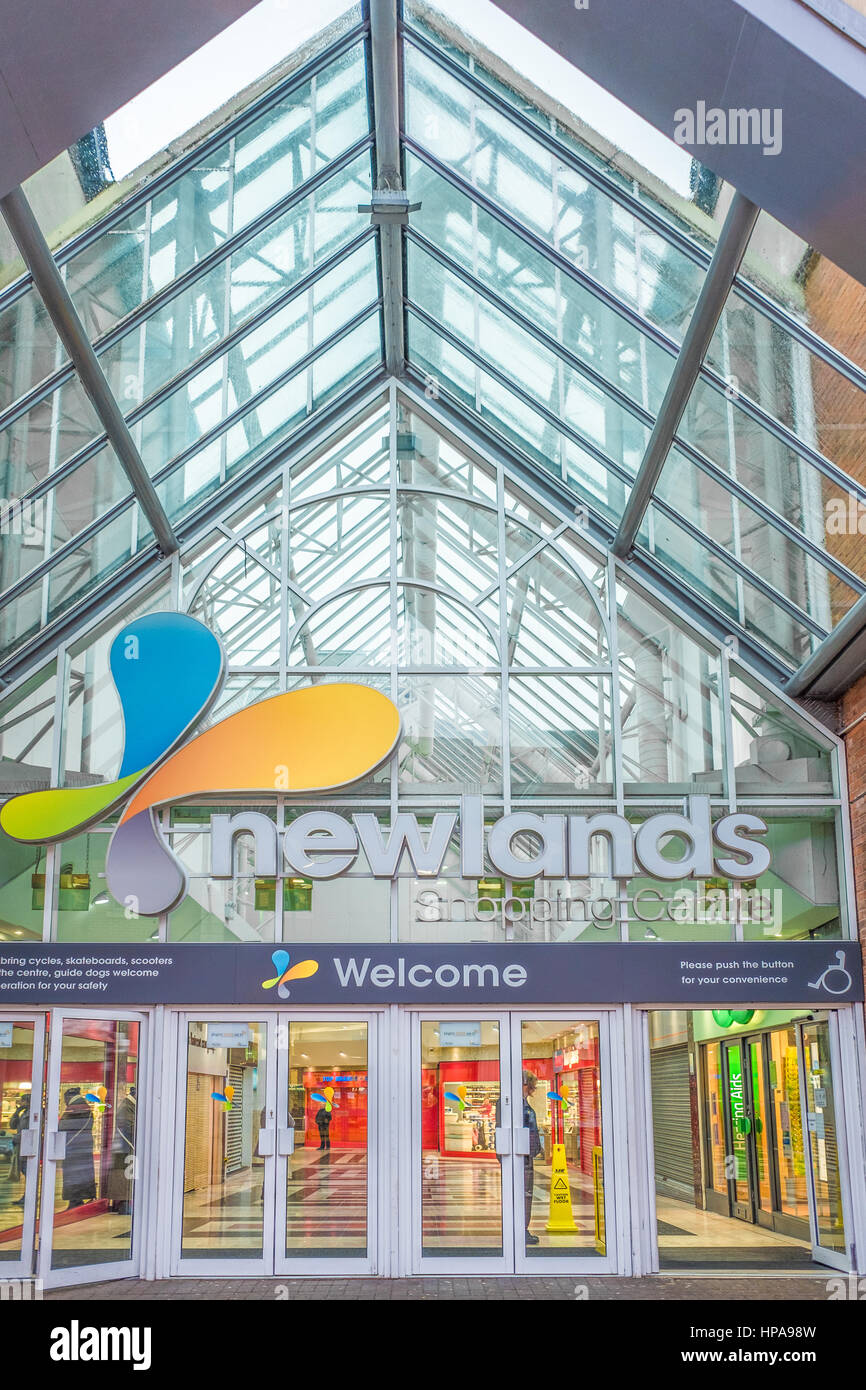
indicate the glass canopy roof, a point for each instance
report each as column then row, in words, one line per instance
column 235, row 301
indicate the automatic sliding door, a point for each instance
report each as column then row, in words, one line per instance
column 823, row 1145
column 90, row 1218
column 459, row 1104
column 228, row 1140
column 561, row 1208
column 324, row 1139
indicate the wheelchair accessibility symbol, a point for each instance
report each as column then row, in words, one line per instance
column 843, row 982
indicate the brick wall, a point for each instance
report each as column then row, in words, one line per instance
column 853, row 706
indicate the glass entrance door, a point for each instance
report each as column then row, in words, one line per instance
column 782, row 1162
column 275, row 1132
column 22, row 1040
column 510, row 1129
column 824, row 1157
column 90, row 1218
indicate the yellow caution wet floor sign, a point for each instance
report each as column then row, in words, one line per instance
column 561, row 1214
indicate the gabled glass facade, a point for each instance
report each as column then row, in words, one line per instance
column 527, row 669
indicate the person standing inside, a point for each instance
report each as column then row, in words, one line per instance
column 536, row 1147
column 18, row 1120
column 123, row 1155
column 76, row 1122
column 323, row 1124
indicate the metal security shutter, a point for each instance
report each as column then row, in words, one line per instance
column 235, row 1123
column 672, row 1123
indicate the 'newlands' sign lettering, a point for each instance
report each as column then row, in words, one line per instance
column 322, row 845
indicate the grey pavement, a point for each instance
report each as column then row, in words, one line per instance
column 747, row 1288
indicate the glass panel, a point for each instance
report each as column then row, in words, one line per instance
column 254, row 364
column 461, row 1179
column 823, row 1137
column 44, row 437
column 455, row 542
column 339, row 542
column 264, row 268
column 445, row 367
column 740, row 1124
column 563, row 1175
column 22, row 891
column 223, row 1178
column 223, row 910
column 359, row 459
column 94, row 560
column 530, row 283
column 576, row 216
column 760, row 1123
column 671, row 711
column 771, row 471
column 155, row 244
column 27, row 733
column 774, row 751
column 96, row 1182
column 788, row 1123
column 714, row 1113
column 537, row 370
column 807, row 285
column 686, row 555
column 560, row 735
column 630, row 154
column 452, row 734
column 822, row 407
column 16, row 1098
column 433, row 630
column 554, row 619
column 800, row 897
column 328, row 1106
column 734, row 526
column 29, row 347
column 424, row 457
column 354, row 629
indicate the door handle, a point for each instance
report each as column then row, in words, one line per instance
column 266, row 1143
column 521, row 1141
column 285, row 1142
column 30, row 1142
column 57, row 1144
column 503, row 1141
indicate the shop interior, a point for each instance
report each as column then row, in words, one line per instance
column 461, row 1181
column 744, row 1139
column 97, row 1105
column 325, row 1107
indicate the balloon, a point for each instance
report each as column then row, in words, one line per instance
column 229, row 1092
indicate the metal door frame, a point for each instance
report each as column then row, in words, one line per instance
column 568, row 1263
column 23, row 1267
column 338, row 1265
column 513, row 1259
column 222, row 1265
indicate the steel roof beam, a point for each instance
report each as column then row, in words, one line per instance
column 729, row 251
column 390, row 205
column 50, row 284
column 837, row 661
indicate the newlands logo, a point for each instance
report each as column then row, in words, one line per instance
column 168, row 669
column 301, row 971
